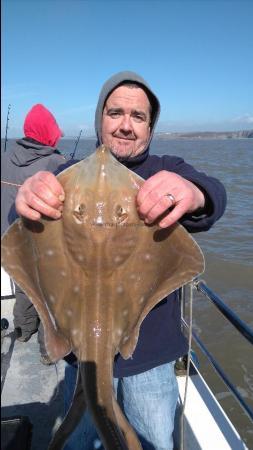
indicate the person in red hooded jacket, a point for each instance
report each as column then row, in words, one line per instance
column 37, row 150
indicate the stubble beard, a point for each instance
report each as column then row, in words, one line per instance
column 124, row 153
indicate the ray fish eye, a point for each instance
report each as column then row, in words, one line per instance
column 79, row 211
column 119, row 210
column 121, row 214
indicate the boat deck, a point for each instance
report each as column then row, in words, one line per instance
column 28, row 387
column 31, row 389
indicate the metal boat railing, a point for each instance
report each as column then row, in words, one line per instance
column 231, row 316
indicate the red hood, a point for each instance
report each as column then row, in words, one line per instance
column 41, row 125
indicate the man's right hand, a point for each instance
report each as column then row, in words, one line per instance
column 40, row 194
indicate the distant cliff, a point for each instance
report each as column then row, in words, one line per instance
column 206, row 135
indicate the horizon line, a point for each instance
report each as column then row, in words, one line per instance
column 247, row 130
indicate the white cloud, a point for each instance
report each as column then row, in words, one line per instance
column 245, row 118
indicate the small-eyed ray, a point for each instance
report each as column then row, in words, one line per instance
column 93, row 276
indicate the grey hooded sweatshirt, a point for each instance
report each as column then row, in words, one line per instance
column 23, row 160
column 110, row 85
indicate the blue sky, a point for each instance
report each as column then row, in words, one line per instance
column 196, row 55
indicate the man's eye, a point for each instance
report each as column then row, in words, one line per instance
column 114, row 115
column 138, row 118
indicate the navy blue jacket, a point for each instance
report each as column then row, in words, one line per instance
column 161, row 339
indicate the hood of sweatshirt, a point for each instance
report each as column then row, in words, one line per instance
column 41, row 125
column 28, row 151
column 109, row 86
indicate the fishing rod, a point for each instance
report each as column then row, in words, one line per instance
column 74, row 152
column 6, row 129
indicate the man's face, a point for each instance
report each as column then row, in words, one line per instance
column 126, row 121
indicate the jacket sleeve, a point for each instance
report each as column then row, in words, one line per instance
column 212, row 189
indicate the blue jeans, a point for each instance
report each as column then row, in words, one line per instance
column 148, row 400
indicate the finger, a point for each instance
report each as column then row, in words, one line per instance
column 150, row 185
column 31, row 206
column 159, row 209
column 44, row 208
column 47, row 187
column 152, row 199
column 173, row 216
column 150, row 195
column 26, row 211
column 52, row 182
column 39, row 190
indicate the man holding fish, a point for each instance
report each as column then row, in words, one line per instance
column 126, row 115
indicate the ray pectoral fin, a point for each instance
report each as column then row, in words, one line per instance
column 164, row 261
column 19, row 260
column 57, row 345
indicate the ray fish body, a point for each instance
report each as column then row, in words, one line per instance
column 93, row 276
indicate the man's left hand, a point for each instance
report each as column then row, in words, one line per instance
column 153, row 200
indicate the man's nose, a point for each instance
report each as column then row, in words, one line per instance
column 126, row 124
